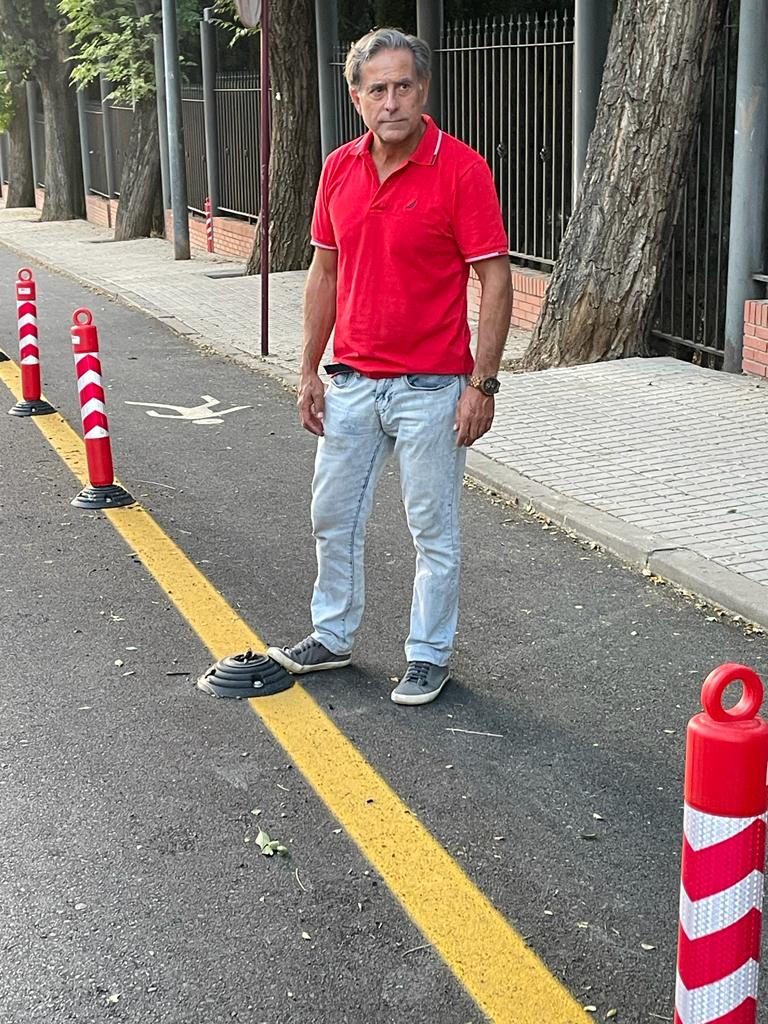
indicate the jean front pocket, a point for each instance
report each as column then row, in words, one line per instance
column 430, row 381
column 340, row 380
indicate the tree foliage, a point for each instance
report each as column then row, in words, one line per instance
column 114, row 38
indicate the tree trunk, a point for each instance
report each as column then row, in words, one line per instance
column 140, row 178
column 294, row 165
column 601, row 294
column 64, row 192
column 21, row 186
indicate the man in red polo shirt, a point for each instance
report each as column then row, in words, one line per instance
column 400, row 215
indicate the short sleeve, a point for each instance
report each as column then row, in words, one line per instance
column 322, row 229
column 478, row 223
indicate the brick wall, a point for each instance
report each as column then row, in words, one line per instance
column 101, row 211
column 528, row 288
column 231, row 237
column 754, row 357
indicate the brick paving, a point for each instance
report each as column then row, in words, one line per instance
column 674, row 455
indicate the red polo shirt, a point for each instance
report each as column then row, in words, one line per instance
column 404, row 252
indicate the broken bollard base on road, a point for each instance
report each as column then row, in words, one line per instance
column 30, row 407
column 245, row 675
column 95, row 498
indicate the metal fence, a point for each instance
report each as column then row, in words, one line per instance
column 506, row 91
column 38, row 141
column 238, row 97
column 349, row 124
column 193, row 117
column 122, row 123
column 5, row 157
column 689, row 321
column 507, row 85
column 94, row 122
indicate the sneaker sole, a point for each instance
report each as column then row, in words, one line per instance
column 278, row 655
column 418, row 698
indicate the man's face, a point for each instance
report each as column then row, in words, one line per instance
column 390, row 98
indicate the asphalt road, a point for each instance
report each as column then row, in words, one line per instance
column 132, row 889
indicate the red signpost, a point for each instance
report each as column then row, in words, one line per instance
column 208, row 225
column 29, row 351
column 721, row 892
column 102, row 492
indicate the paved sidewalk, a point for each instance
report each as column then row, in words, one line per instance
column 662, row 462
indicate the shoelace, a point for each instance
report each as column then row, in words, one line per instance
column 418, row 672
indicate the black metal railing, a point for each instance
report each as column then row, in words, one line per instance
column 193, row 116
column 96, row 159
column 349, row 124
column 506, row 91
column 122, row 123
column 507, row 85
column 690, row 315
column 238, row 96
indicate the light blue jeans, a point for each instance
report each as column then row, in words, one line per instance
column 365, row 421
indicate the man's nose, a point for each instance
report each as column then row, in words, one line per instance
column 391, row 101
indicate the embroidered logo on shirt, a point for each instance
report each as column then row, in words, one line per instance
column 410, row 206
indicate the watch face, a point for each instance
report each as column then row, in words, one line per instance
column 490, row 386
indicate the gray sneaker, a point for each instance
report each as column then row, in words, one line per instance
column 421, row 683
column 307, row 656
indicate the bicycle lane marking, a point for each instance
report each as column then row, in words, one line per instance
column 507, row 980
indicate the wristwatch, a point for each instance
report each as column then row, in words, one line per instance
column 488, row 385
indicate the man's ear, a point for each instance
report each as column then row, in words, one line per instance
column 354, row 95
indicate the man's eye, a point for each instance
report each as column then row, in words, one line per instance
column 405, row 87
column 376, row 90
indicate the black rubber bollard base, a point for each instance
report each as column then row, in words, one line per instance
column 245, row 675
column 31, row 407
column 3, row 357
column 113, row 496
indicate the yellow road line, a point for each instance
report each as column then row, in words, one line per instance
column 506, row 979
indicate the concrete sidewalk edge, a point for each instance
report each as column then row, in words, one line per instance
column 680, row 566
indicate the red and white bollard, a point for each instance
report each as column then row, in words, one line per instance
column 208, row 224
column 102, row 492
column 721, row 891
column 29, row 351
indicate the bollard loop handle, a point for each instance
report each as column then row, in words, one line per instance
column 78, row 314
column 715, row 685
column 25, row 274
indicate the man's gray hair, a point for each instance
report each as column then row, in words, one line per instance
column 386, row 39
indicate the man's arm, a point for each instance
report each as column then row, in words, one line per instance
column 474, row 413
column 319, row 318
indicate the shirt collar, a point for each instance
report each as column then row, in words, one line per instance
column 425, row 152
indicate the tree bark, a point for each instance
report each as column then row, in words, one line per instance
column 64, row 192
column 21, row 186
column 601, row 294
column 294, row 165
column 140, row 179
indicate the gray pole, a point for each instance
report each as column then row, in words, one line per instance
column 327, row 26
column 747, row 245
column 592, row 28
column 32, row 115
column 105, row 88
column 429, row 27
column 85, row 155
column 162, row 122
column 177, row 165
column 208, row 61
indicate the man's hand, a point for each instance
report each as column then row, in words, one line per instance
column 311, row 403
column 474, row 416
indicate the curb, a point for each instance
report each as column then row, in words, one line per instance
column 680, row 566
